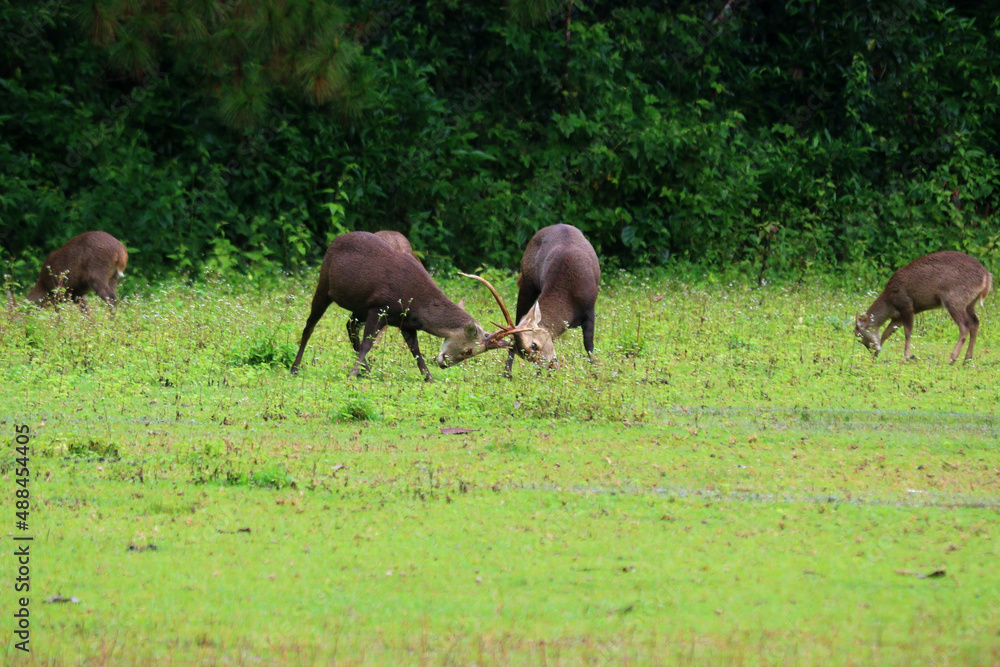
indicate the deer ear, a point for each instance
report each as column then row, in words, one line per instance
column 461, row 303
column 472, row 330
column 534, row 316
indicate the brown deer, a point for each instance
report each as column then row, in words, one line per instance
column 381, row 286
column 91, row 261
column 949, row 279
column 396, row 241
column 557, row 289
column 399, row 243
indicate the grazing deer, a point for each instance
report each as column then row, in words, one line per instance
column 381, row 286
column 91, row 261
column 557, row 289
column 396, row 241
column 949, row 279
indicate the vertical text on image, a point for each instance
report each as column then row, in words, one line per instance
column 22, row 513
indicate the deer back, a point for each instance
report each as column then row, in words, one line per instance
column 362, row 273
column 937, row 277
column 395, row 240
column 83, row 261
column 562, row 267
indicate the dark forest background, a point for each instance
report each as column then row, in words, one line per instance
column 235, row 136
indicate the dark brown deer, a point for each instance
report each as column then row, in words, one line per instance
column 557, row 289
column 396, row 241
column 949, row 279
column 381, row 286
column 399, row 243
column 91, row 261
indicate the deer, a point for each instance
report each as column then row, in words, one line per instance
column 396, row 241
column 948, row 279
column 383, row 287
column 399, row 243
column 557, row 290
column 91, row 261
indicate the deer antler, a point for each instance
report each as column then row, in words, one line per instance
column 496, row 295
column 495, row 340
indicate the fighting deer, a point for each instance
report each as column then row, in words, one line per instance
column 948, row 279
column 91, row 261
column 381, row 286
column 557, row 289
column 396, row 241
column 399, row 243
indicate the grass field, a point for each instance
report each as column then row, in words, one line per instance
column 736, row 481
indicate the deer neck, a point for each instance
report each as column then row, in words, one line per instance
column 557, row 313
column 438, row 317
column 880, row 311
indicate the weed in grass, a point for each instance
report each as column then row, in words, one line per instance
column 358, row 408
column 264, row 348
column 273, row 477
column 92, row 448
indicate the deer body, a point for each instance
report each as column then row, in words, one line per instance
column 399, row 243
column 91, row 261
column 396, row 241
column 948, row 279
column 380, row 286
column 557, row 289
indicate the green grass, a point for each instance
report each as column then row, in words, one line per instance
column 736, row 481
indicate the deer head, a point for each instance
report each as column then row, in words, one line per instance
column 467, row 342
column 534, row 342
column 473, row 341
column 867, row 334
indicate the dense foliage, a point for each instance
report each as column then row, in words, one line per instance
column 229, row 135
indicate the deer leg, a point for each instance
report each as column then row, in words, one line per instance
column 961, row 319
column 375, row 323
column 353, row 325
column 510, row 364
column 353, row 332
column 907, row 320
column 411, row 341
column 973, row 321
column 588, row 334
column 889, row 330
column 113, row 288
column 106, row 292
column 321, row 301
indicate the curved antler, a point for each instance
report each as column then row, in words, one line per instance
column 495, row 340
column 496, row 295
